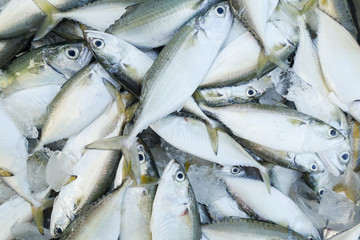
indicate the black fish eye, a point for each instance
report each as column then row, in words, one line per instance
column 250, row 92
column 220, row 10
column 72, row 53
column 313, row 167
column 321, row 192
column 345, row 156
column 180, row 176
column 98, row 43
column 58, row 230
column 333, row 132
column 235, row 170
column 141, row 156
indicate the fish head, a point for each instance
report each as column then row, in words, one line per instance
column 337, row 158
column 229, row 171
column 321, row 137
column 108, row 48
column 68, row 59
column 148, row 169
column 216, row 22
column 174, row 179
column 311, row 162
column 61, row 216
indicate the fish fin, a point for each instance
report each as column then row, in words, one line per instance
column 213, row 135
column 187, row 166
column 265, row 57
column 4, row 173
column 266, row 179
column 129, row 150
column 38, row 218
column 130, row 9
column 38, row 213
column 71, row 179
column 308, row 6
column 130, row 112
column 147, row 180
column 51, row 19
column 291, row 9
column 111, row 88
column 349, row 192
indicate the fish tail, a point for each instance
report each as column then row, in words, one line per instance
column 51, row 20
column 127, row 146
column 38, row 213
column 213, row 135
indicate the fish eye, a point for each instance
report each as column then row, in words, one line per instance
column 141, row 157
column 72, row 53
column 250, row 92
column 313, row 167
column 98, row 43
column 310, row 238
column 236, row 170
column 179, row 176
column 220, row 11
column 345, row 156
column 58, row 230
column 321, row 192
column 333, row 132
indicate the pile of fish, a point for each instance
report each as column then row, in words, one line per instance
column 179, row 119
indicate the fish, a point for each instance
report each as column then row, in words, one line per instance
column 153, row 23
column 64, row 118
column 99, row 220
column 279, row 125
column 44, row 66
column 275, row 207
column 192, row 51
column 175, row 211
column 239, row 229
column 94, row 173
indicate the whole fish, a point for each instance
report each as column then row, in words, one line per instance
column 99, row 220
column 275, row 127
column 336, row 45
column 191, row 51
column 80, row 101
column 247, row 229
column 95, row 171
column 44, row 66
column 274, row 206
column 175, row 211
column 153, row 23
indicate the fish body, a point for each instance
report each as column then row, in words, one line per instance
column 275, row 127
column 153, row 23
column 64, row 117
